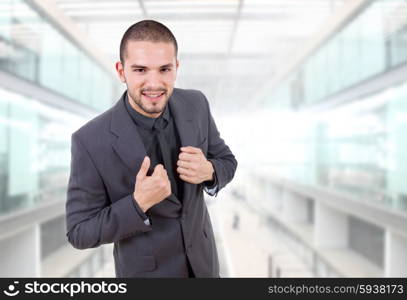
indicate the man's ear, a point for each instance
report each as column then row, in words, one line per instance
column 120, row 71
column 177, row 64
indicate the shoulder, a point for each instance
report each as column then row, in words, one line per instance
column 192, row 97
column 188, row 93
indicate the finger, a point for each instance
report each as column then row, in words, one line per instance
column 184, row 156
column 161, row 172
column 190, row 149
column 185, row 164
column 158, row 169
column 142, row 173
column 186, row 172
column 186, row 178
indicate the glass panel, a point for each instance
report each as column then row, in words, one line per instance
column 371, row 43
column 34, row 151
column 23, row 176
column 4, row 145
column 5, row 19
column 70, row 69
column 34, row 49
column 51, row 60
column 373, row 52
column 358, row 149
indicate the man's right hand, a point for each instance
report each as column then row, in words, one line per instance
column 150, row 190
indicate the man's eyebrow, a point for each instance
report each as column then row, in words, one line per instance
column 167, row 65
column 138, row 66
column 135, row 66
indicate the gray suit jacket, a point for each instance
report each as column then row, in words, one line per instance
column 107, row 153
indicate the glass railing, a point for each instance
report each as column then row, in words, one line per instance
column 372, row 43
column 34, row 151
column 317, row 265
column 33, row 48
column 358, row 149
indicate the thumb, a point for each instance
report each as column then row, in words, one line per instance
column 144, row 168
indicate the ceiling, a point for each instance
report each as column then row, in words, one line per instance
column 227, row 48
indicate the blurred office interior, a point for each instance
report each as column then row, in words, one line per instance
column 310, row 95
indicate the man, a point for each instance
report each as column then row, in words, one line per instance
column 138, row 170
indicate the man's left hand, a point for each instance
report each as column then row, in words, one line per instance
column 193, row 167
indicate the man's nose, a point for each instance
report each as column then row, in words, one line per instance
column 153, row 80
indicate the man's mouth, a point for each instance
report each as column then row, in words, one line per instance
column 153, row 96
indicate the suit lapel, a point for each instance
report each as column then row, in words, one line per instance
column 187, row 130
column 128, row 145
column 183, row 119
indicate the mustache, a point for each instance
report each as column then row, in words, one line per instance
column 153, row 90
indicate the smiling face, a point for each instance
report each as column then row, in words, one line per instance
column 149, row 71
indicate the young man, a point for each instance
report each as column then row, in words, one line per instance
column 138, row 171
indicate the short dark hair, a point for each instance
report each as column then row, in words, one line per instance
column 147, row 30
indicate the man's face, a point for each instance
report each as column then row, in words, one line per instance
column 149, row 71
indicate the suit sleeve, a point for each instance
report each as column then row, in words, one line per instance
column 219, row 154
column 91, row 218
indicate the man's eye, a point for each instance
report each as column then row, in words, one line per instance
column 166, row 70
column 138, row 70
